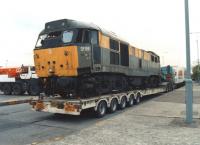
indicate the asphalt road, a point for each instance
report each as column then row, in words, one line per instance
column 11, row 97
column 179, row 96
column 20, row 125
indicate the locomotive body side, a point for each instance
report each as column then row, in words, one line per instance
column 69, row 53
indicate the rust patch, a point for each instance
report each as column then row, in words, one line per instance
column 39, row 106
column 69, row 108
column 12, row 103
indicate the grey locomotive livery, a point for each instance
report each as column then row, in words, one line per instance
column 95, row 61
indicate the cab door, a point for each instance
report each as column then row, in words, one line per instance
column 84, row 51
column 96, row 51
column 89, row 50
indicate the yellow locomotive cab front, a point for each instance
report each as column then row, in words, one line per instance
column 61, row 61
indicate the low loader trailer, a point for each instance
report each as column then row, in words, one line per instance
column 100, row 104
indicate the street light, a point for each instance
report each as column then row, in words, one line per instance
column 188, row 80
column 198, row 60
column 197, row 44
column 197, row 52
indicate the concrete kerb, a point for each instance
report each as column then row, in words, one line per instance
column 14, row 102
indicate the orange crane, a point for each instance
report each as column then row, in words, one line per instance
column 18, row 80
column 11, row 72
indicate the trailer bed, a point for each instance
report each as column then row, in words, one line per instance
column 60, row 105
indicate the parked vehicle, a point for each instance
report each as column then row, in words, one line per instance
column 82, row 66
column 173, row 74
column 18, row 80
column 179, row 75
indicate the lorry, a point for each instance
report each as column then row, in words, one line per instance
column 81, row 67
column 179, row 76
column 19, row 80
column 101, row 104
column 173, row 74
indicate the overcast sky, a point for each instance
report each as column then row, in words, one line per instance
column 156, row 25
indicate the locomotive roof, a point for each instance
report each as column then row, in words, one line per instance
column 152, row 53
column 64, row 24
column 67, row 24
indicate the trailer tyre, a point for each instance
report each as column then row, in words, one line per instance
column 138, row 99
column 17, row 89
column 113, row 105
column 122, row 104
column 101, row 109
column 131, row 101
column 7, row 90
column 167, row 88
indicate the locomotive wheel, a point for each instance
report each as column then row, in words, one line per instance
column 113, row 105
column 153, row 81
column 34, row 90
column 87, row 87
column 146, row 82
column 17, row 89
column 101, row 109
column 105, row 84
column 122, row 104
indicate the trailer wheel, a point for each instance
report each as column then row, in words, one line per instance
column 17, row 89
column 113, row 105
column 167, row 88
column 122, row 104
column 171, row 87
column 101, row 109
column 138, row 99
column 7, row 90
column 131, row 101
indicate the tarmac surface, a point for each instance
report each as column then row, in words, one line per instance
column 158, row 120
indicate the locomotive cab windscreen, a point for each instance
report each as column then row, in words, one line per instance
column 67, row 37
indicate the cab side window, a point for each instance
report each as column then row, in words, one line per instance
column 124, row 54
column 94, row 37
column 114, row 52
column 86, row 36
column 82, row 36
column 95, row 48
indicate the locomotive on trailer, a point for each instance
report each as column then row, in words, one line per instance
column 75, row 59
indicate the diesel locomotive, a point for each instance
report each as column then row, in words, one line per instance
column 76, row 59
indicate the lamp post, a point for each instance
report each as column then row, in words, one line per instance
column 197, row 44
column 198, row 60
column 188, row 80
column 197, row 52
